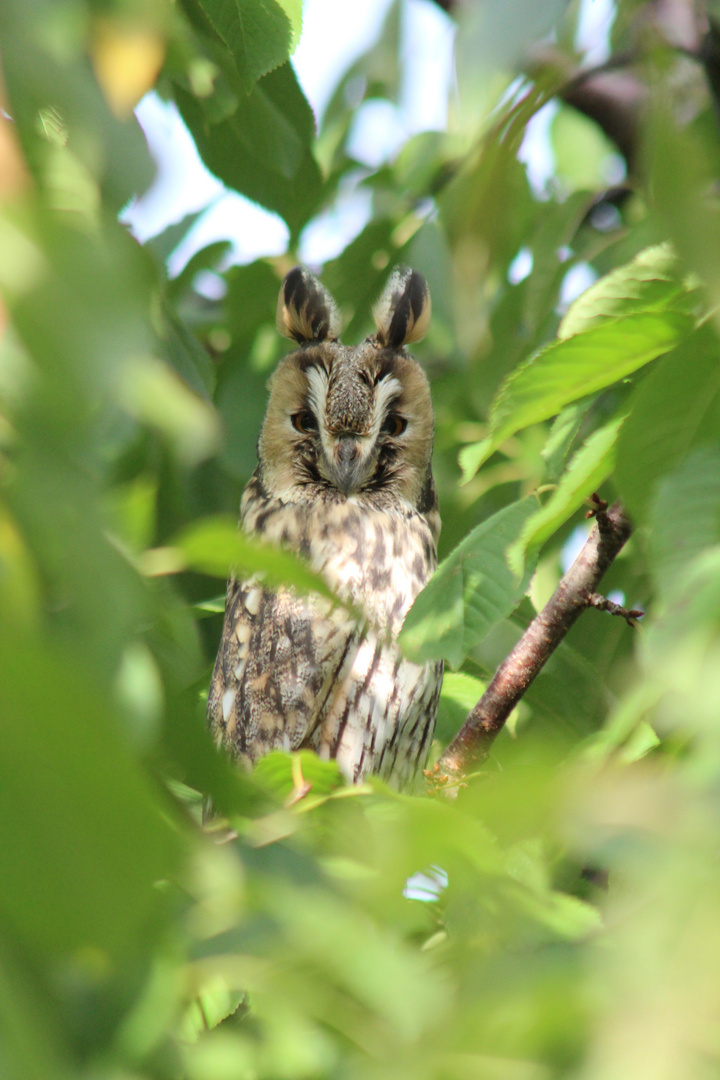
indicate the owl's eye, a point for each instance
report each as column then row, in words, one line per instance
column 394, row 424
column 304, row 422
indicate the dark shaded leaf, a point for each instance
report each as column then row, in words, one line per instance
column 674, row 410
column 83, row 839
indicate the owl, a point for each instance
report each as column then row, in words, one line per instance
column 344, row 478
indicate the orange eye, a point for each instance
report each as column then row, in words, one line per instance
column 394, row 424
column 304, row 422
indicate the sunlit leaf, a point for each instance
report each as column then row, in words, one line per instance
column 573, row 368
column 589, row 467
column 651, row 282
column 303, row 775
column 260, row 36
column 127, row 60
column 582, row 150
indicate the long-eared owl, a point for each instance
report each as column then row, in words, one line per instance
column 344, row 478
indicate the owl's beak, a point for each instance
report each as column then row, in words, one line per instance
column 349, row 464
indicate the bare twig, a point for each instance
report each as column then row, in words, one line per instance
column 576, row 592
column 603, row 604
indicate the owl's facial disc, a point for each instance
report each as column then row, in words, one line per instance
column 356, row 430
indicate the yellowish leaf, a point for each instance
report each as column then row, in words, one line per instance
column 126, row 60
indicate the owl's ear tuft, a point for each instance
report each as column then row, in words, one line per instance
column 306, row 311
column 402, row 314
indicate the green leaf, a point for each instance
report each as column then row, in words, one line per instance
column 151, row 391
column 471, row 591
column 474, row 455
column 32, row 1041
column 562, row 435
column 685, row 516
column 573, row 368
column 581, row 150
column 651, row 282
column 682, row 161
column 252, row 292
column 208, row 258
column 83, row 839
column 216, row 547
column 460, row 692
column 567, row 916
column 214, row 606
column 276, row 772
column 59, row 110
column 163, row 245
column 263, row 149
column 261, row 34
column 183, row 351
column 590, row 466
column 675, row 409
column 626, row 726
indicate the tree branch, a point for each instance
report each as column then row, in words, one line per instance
column 576, row 592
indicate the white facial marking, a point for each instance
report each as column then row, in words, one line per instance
column 318, row 383
column 318, row 387
column 387, row 390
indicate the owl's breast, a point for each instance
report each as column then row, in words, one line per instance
column 379, row 558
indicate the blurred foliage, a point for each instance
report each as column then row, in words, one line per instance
column 559, row 918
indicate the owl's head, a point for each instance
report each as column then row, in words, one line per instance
column 355, row 419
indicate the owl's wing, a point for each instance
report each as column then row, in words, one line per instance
column 279, row 658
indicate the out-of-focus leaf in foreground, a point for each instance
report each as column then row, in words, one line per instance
column 216, row 547
column 84, row 842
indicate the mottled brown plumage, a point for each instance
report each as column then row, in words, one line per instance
column 344, row 478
